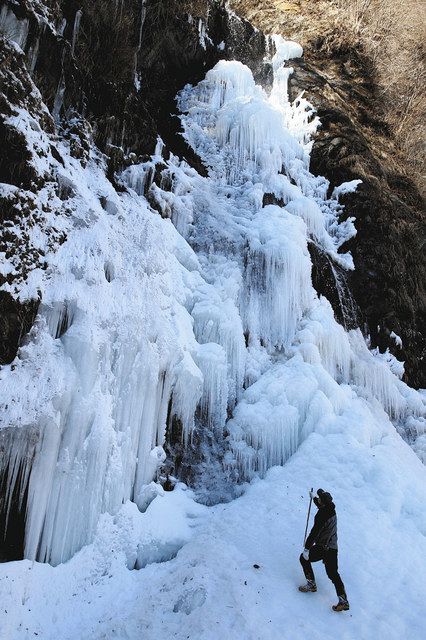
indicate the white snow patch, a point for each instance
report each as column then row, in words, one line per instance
column 397, row 339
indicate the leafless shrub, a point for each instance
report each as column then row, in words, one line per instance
column 107, row 42
column 389, row 35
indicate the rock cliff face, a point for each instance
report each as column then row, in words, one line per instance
column 388, row 283
column 108, row 73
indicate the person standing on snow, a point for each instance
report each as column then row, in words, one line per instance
column 321, row 544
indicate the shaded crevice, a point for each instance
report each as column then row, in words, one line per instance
column 12, row 519
column 330, row 280
column 16, row 320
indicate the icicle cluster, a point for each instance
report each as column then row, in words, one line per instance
column 201, row 312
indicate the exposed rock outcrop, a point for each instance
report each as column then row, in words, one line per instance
column 354, row 142
column 388, row 283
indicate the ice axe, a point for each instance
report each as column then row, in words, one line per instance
column 309, row 513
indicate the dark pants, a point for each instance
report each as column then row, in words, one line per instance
column 329, row 558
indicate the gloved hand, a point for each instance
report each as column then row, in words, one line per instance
column 312, row 494
column 305, row 554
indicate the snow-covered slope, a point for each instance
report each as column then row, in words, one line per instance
column 212, row 590
column 206, row 312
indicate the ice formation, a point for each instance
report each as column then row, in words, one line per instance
column 205, row 310
column 12, row 28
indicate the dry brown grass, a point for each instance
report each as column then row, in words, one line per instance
column 390, row 34
column 393, row 34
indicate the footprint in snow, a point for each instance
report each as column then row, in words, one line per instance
column 190, row 600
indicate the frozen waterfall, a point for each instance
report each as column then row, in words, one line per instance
column 203, row 312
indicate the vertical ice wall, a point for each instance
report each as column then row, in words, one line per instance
column 205, row 311
column 298, row 358
column 86, row 401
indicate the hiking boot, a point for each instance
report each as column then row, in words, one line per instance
column 342, row 605
column 308, row 587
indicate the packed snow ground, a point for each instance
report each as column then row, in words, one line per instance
column 211, row 590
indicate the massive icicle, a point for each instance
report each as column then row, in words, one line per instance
column 87, row 398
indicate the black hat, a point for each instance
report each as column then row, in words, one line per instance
column 324, row 496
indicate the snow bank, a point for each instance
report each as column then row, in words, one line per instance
column 211, row 588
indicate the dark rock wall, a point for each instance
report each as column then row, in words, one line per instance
column 108, row 73
column 389, row 281
column 120, row 64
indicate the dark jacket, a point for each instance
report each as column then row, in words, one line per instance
column 324, row 531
